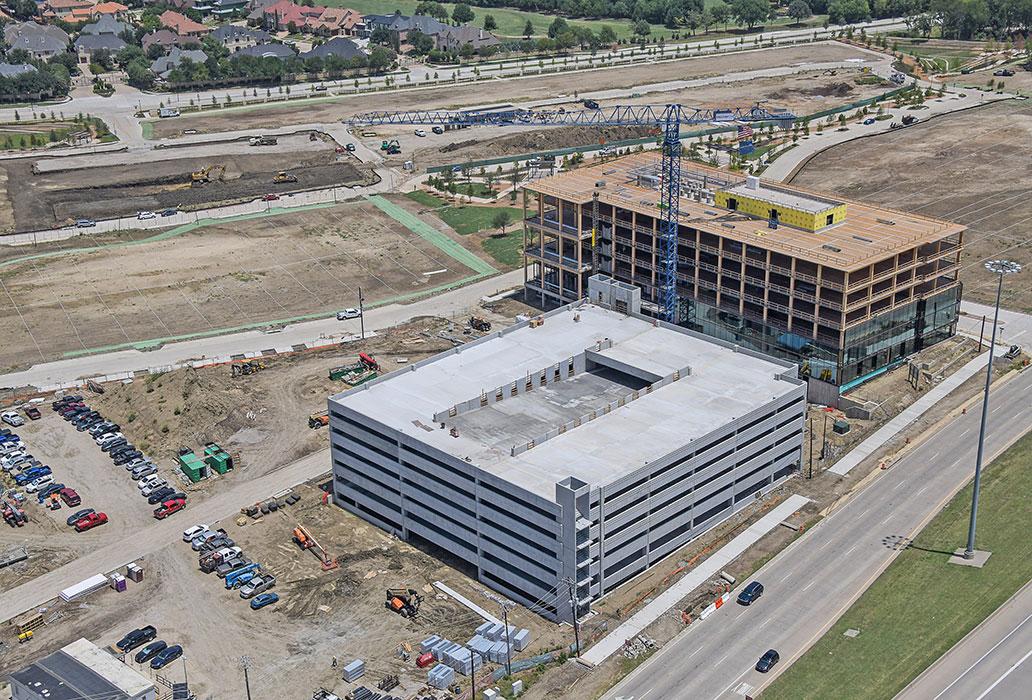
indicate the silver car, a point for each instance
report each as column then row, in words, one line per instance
column 143, row 470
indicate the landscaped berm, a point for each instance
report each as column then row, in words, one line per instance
column 922, row 605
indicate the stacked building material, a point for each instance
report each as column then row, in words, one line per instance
column 440, row 676
column 354, row 670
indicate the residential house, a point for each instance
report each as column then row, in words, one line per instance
column 13, row 70
column 164, row 65
column 161, row 37
column 338, row 46
column 63, row 9
column 235, row 38
column 400, row 25
column 284, row 14
column 102, row 34
column 115, row 9
column 222, row 8
column 274, row 50
column 334, row 21
column 182, row 25
column 105, row 24
column 41, row 41
column 454, row 38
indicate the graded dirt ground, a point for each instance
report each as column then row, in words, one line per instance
column 505, row 91
column 223, row 275
column 804, row 93
column 43, row 200
column 971, row 167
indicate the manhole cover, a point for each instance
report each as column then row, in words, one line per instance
column 851, row 632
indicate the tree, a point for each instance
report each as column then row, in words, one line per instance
column 557, row 27
column 751, row 12
column 848, row 11
column 420, row 42
column 462, row 13
column 642, row 29
column 721, row 14
column 489, row 23
column 501, row 219
column 528, row 30
column 380, row 59
column 432, row 9
column 799, row 11
column 606, row 35
column 706, row 20
column 380, row 35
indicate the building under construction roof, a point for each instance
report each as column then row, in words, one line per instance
column 843, row 288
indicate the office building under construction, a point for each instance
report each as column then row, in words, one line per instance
column 843, row 289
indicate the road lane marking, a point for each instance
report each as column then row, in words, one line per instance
column 982, row 657
column 809, row 585
column 694, row 653
column 818, row 549
column 887, row 517
column 1005, row 674
column 899, row 484
column 645, row 693
column 861, row 516
column 849, row 550
column 922, row 490
column 721, row 659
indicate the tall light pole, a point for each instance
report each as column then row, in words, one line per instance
column 245, row 663
column 1001, row 268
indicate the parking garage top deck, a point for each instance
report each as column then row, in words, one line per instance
column 867, row 235
column 519, row 438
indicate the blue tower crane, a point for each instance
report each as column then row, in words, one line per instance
column 667, row 118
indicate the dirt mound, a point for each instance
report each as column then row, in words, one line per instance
column 831, row 90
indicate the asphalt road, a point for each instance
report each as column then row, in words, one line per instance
column 1014, row 328
column 993, row 662
column 815, row 580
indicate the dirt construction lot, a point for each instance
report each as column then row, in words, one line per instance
column 804, row 93
column 59, row 198
column 222, row 275
column 973, row 167
column 505, row 91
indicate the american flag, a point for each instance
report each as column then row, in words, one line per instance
column 744, row 132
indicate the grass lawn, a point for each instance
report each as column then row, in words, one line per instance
column 426, row 199
column 510, row 21
column 506, row 249
column 921, row 605
column 471, row 219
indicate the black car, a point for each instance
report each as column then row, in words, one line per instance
column 117, row 442
column 121, row 450
column 136, row 638
column 78, row 515
column 160, row 495
column 166, row 656
column 751, row 593
column 127, row 457
column 767, row 661
column 150, row 651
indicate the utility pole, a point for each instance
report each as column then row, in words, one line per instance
column 810, row 475
column 508, row 640
column 361, row 312
column 472, row 676
column 573, row 609
column 824, row 438
column 245, row 663
column 1001, row 268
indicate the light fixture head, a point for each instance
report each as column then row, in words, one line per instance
column 1003, row 267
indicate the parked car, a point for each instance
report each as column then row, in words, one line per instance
column 751, row 593
column 150, row 651
column 85, row 223
column 192, row 532
column 1003, row 73
column 169, row 212
column 90, row 521
column 162, row 494
column 33, row 413
column 12, row 419
column 148, row 481
column 257, row 585
column 78, row 515
column 437, row 129
column 43, row 493
column 141, row 215
column 146, row 470
column 420, row 133
column 113, row 443
column 260, row 601
column 156, row 486
column 869, row 121
column 767, row 661
column 106, row 437
column 70, row 497
column 270, row 197
column 138, row 462
column 167, row 508
column 349, row 147
column 135, row 638
column 127, row 456
column 105, row 427
column 39, row 482
column 348, row 313
column 196, row 542
column 166, row 656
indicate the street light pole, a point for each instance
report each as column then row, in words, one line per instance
column 361, row 312
column 245, row 662
column 1001, row 268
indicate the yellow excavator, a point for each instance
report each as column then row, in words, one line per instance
column 284, row 176
column 207, row 174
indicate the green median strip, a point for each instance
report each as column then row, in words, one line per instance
column 432, row 235
column 921, row 606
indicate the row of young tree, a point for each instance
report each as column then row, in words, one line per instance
column 49, row 80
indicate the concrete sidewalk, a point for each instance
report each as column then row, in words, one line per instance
column 612, row 642
column 911, row 413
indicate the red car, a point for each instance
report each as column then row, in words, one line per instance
column 70, row 497
column 90, row 521
column 33, row 413
column 169, row 507
column 270, row 198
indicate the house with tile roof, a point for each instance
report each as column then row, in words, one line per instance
column 182, row 25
